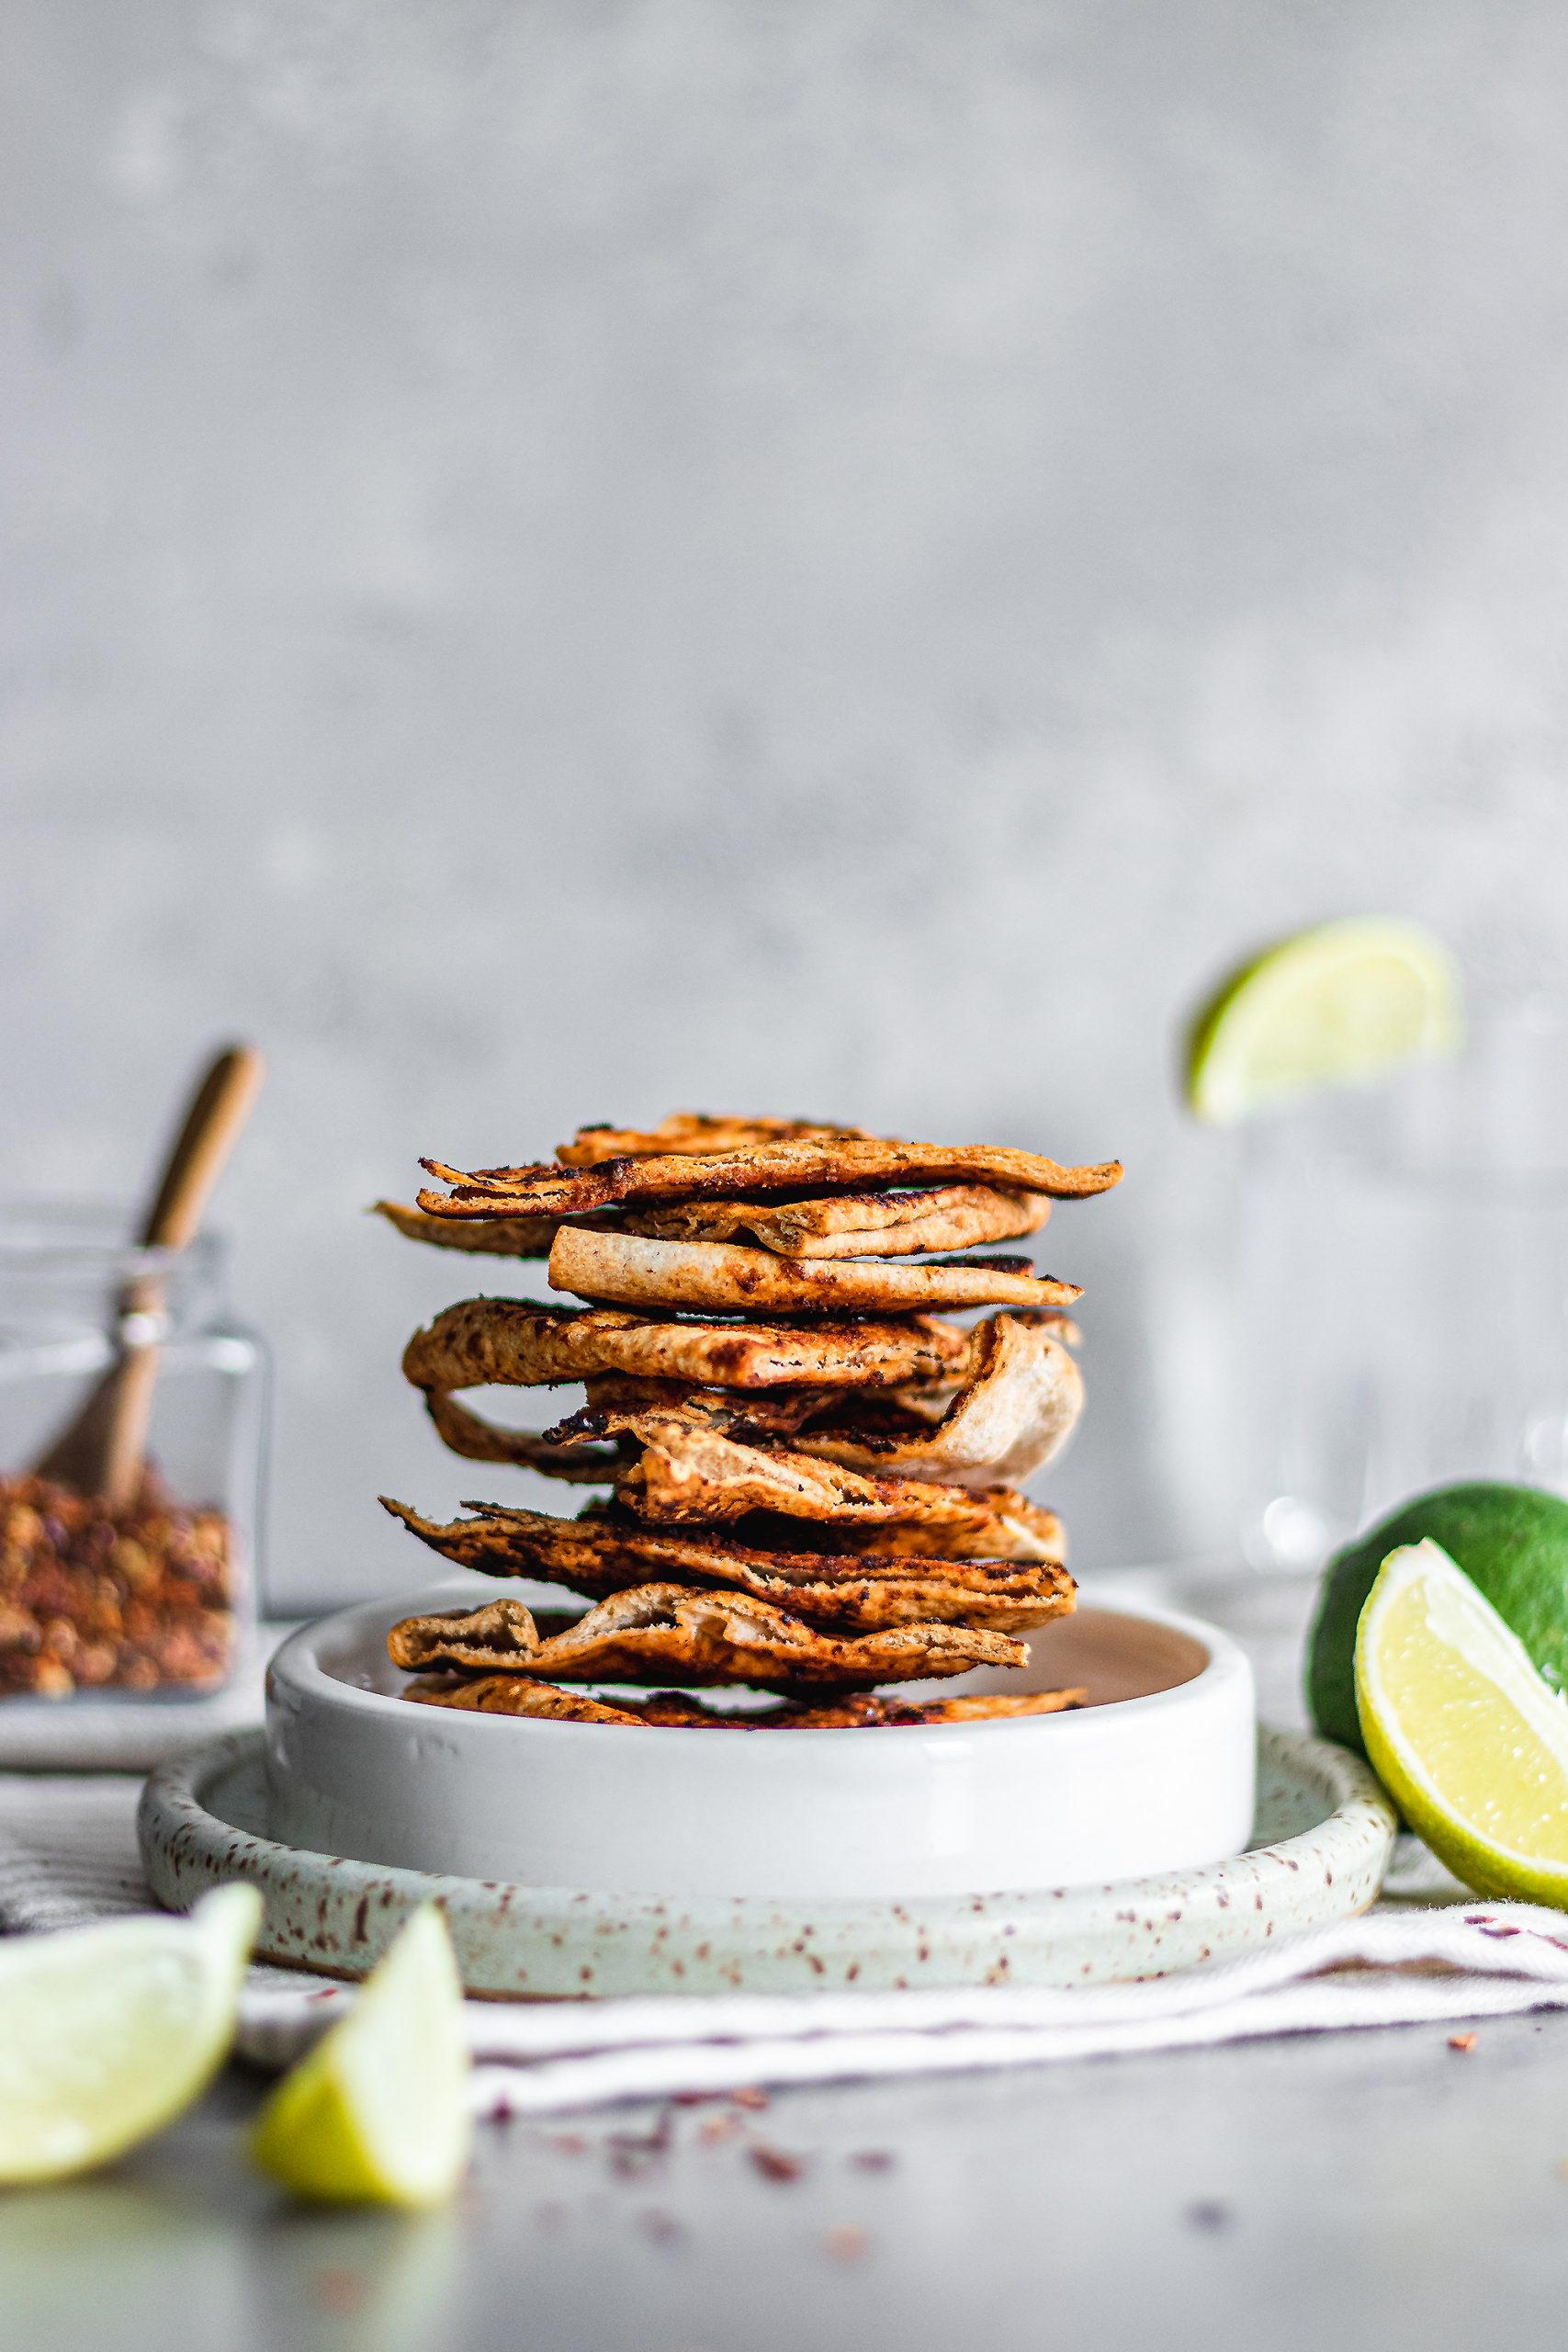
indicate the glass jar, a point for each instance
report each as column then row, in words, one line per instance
column 150, row 1598
column 1405, row 1290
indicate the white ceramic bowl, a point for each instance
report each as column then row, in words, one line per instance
column 1154, row 1774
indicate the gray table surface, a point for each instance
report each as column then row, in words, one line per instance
column 1376, row 2188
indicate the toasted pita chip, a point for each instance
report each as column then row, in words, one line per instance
column 859, row 1592
column 1017, row 1410
column 500, row 1635
column 477, row 1440
column 686, row 1471
column 571, row 1450
column 516, row 1343
column 672, row 1466
column 721, row 1278
column 519, row 1694
column 750, row 1416
column 844, row 1225
column 774, row 1535
column 662, row 1632
column 910, row 1539
column 755, row 1414
column 876, row 1707
column 1014, row 1410
column 516, row 1694
column 694, row 1132
column 849, row 1165
column 500, row 1236
column 852, row 1225
column 497, row 1237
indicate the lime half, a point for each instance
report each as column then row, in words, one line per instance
column 1461, row 1730
column 1333, row 1005
column 1511, row 1541
column 105, row 2033
column 378, row 2111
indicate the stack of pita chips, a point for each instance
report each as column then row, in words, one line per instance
column 811, row 1475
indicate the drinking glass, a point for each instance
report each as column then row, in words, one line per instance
column 1404, row 1291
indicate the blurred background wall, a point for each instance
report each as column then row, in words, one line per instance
column 565, row 559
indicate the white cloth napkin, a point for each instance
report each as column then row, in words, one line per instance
column 67, row 1855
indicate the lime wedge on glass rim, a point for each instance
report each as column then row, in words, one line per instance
column 378, row 2111
column 108, row 2033
column 1463, row 1731
column 1330, row 1007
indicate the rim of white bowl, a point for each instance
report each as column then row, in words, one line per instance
column 296, row 1660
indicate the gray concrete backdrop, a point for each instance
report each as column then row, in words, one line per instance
column 562, row 560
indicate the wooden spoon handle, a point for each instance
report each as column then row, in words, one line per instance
column 219, row 1109
column 101, row 1452
column 119, row 1425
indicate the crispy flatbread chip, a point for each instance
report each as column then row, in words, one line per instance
column 722, row 1278
column 686, row 1471
column 517, row 1694
column 842, row 1225
column 516, row 1343
column 875, row 1708
column 499, row 1635
column 514, row 1695
column 756, row 1415
column 858, row 1592
column 662, row 1632
column 671, row 1465
column 691, row 1131
column 544, row 1189
column 852, row 1225
column 498, row 1236
column 1018, row 1409
column 776, row 1497
column 571, row 1450
column 1015, row 1409
column 478, row 1440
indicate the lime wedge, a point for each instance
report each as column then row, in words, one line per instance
column 1333, row 1005
column 105, row 2033
column 378, row 2111
column 1461, row 1730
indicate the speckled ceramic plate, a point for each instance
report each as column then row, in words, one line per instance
column 1321, row 1839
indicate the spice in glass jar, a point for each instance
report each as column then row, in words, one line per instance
column 135, row 1597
